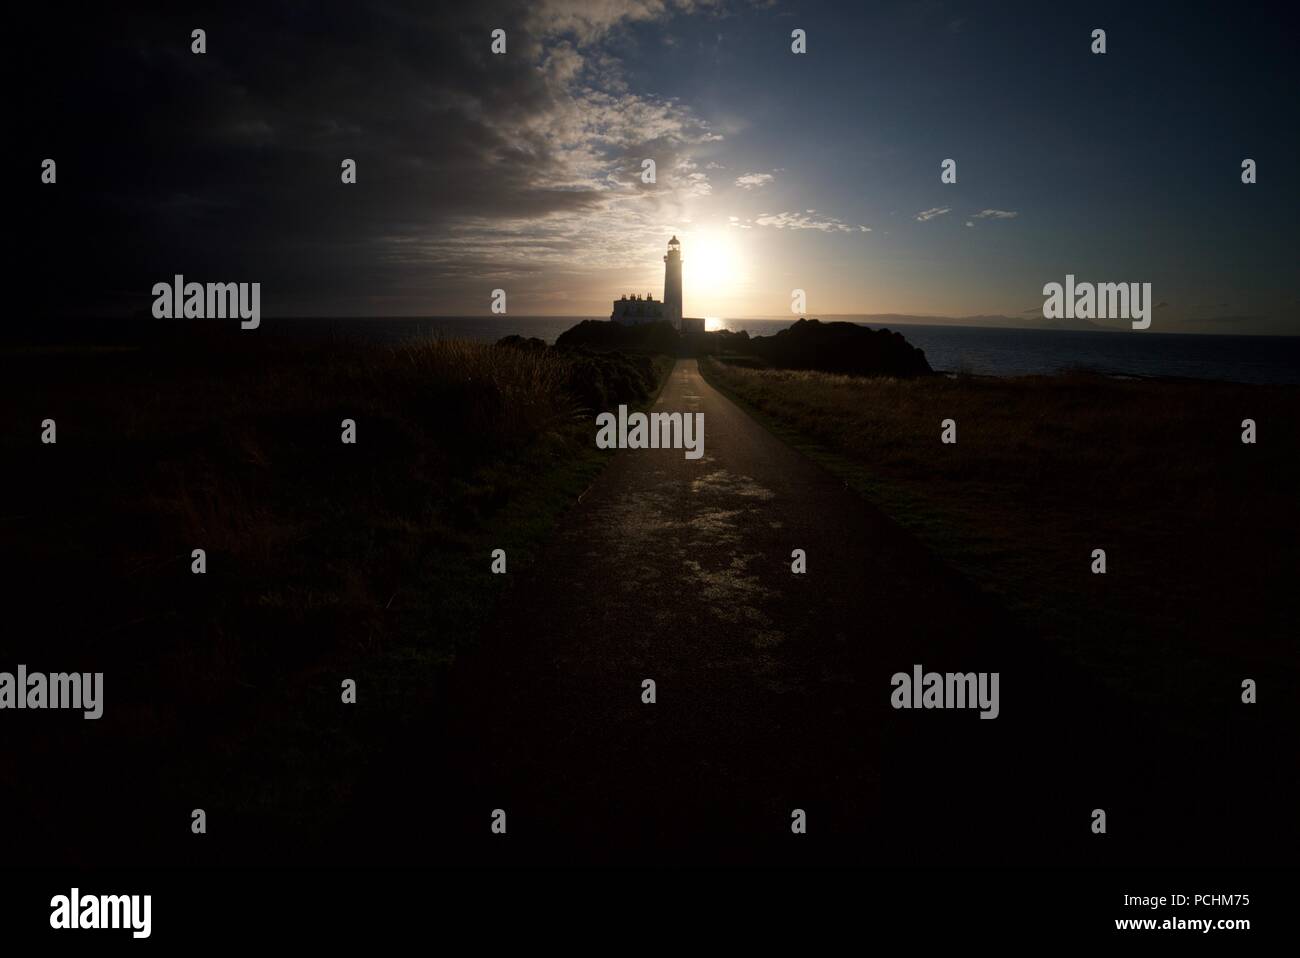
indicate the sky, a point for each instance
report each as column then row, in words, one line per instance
column 777, row 171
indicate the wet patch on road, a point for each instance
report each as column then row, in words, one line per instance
column 725, row 483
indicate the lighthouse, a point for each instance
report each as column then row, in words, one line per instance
column 634, row 310
column 673, row 283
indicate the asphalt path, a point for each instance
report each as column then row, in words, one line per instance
column 772, row 688
column 773, row 695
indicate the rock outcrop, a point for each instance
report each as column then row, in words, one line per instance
column 840, row 348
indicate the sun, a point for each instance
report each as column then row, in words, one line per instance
column 712, row 270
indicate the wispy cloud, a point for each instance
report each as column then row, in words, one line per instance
column 584, row 136
column 590, row 22
column 996, row 214
column 932, row 213
column 537, row 162
column 752, row 181
column 807, row 220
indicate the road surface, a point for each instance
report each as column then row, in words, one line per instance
column 772, row 689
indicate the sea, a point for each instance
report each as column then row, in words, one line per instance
column 976, row 350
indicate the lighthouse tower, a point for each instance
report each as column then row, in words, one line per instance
column 673, row 283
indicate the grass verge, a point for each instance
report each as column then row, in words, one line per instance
column 1199, row 529
column 325, row 560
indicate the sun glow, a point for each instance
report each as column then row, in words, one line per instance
column 713, row 269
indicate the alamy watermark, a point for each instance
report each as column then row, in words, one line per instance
column 946, row 690
column 1100, row 301
column 657, row 430
column 182, row 300
column 58, row 690
column 76, row 910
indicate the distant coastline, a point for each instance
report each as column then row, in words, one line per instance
column 950, row 346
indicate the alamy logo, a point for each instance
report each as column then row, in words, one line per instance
column 658, row 430
column 103, row 911
column 58, row 690
column 1102, row 301
column 946, row 690
column 182, row 300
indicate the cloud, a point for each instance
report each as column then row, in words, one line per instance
column 697, row 184
column 803, row 221
column 996, row 214
column 590, row 21
column 930, row 214
column 469, row 164
column 751, row 181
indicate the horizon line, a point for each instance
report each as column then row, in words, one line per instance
column 1000, row 321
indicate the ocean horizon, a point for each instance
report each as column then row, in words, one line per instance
column 974, row 350
column 951, row 349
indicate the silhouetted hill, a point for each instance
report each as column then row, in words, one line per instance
column 833, row 347
column 840, row 348
column 601, row 334
column 599, row 375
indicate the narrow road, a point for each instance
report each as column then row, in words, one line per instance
column 773, row 694
column 772, row 688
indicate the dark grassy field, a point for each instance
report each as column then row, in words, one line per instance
column 325, row 561
column 1201, row 531
column 328, row 561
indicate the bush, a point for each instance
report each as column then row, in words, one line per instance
column 841, row 348
column 602, row 334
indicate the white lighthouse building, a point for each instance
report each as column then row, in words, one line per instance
column 631, row 310
column 673, row 283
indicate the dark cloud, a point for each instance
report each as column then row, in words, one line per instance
column 226, row 165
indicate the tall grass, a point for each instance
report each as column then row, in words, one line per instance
column 1200, row 530
column 324, row 560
